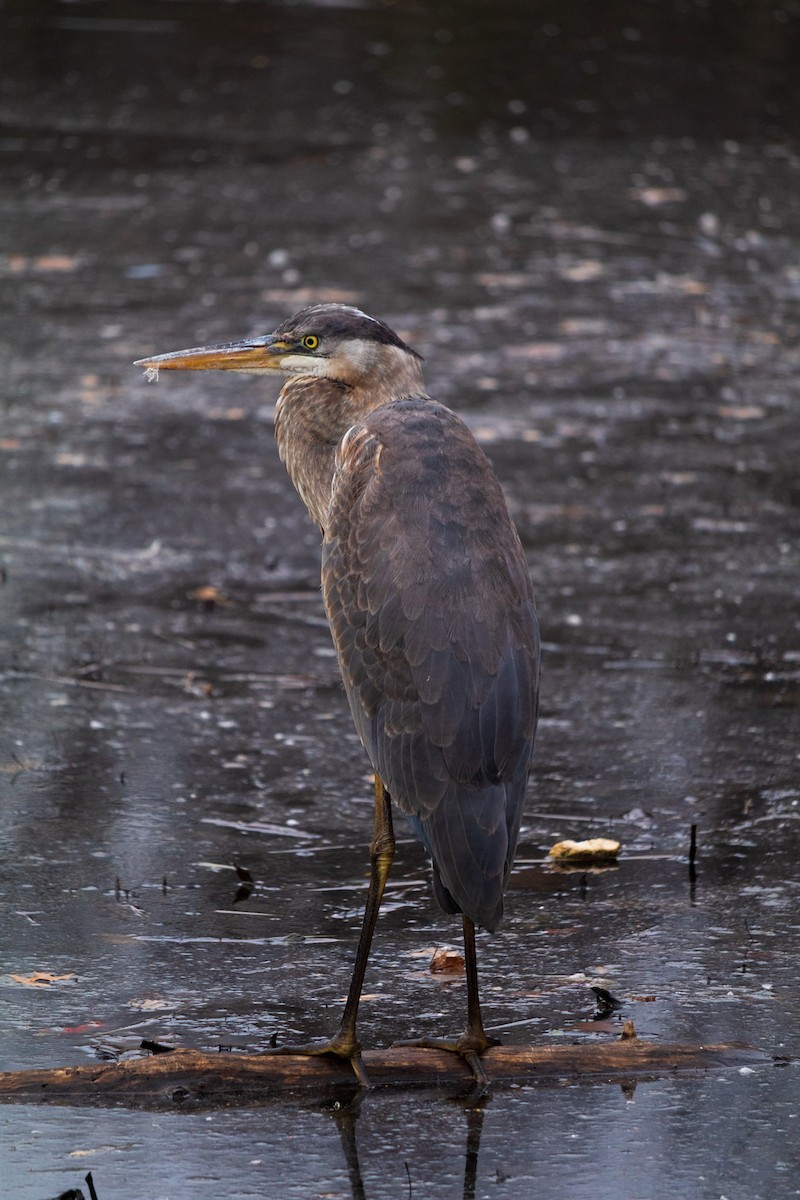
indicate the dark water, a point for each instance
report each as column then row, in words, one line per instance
column 552, row 1142
column 586, row 218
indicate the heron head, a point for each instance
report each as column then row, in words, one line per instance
column 330, row 341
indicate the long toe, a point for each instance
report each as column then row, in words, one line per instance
column 468, row 1046
column 335, row 1048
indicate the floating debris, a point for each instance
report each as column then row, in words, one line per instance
column 591, row 850
column 447, row 961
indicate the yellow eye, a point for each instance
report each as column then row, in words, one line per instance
column 310, row 341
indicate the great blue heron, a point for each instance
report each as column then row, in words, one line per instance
column 430, row 604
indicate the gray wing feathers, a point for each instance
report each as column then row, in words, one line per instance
column 432, row 614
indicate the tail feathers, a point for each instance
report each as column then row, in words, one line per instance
column 472, row 835
column 487, row 916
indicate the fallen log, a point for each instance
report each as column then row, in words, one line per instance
column 194, row 1078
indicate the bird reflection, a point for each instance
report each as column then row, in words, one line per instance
column 474, row 1117
column 473, row 1105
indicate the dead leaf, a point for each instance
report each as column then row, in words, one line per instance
column 652, row 197
column 56, row 262
column 210, row 596
column 43, row 979
column 447, row 962
column 198, row 687
column 16, row 263
column 584, row 271
column 742, row 412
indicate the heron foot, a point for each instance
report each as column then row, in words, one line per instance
column 470, row 1046
column 337, row 1047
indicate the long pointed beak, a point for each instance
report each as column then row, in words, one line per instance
column 253, row 354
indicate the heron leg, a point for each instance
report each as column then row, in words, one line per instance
column 381, row 854
column 345, row 1043
column 474, row 1040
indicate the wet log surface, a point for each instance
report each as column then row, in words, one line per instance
column 197, row 1078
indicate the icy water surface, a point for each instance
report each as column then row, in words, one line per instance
column 588, row 223
column 579, row 1141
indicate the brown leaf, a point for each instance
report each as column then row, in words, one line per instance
column 210, row 596
column 742, row 412
column 42, row 979
column 17, row 263
column 652, row 197
column 198, row 687
column 447, row 962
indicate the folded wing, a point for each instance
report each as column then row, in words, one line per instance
column 431, row 607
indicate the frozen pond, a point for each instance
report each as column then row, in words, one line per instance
column 589, row 225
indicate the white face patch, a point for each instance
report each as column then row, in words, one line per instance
column 355, row 358
column 302, row 364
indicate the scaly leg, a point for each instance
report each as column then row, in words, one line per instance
column 474, row 1040
column 345, row 1043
